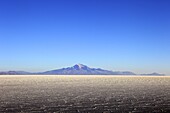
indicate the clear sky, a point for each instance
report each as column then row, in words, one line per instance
column 129, row 35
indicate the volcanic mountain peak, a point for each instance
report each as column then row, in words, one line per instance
column 80, row 66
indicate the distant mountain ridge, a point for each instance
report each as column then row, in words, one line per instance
column 78, row 69
column 158, row 74
column 15, row 73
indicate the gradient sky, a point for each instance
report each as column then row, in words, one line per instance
column 129, row 35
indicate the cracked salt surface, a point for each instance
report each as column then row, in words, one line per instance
column 82, row 94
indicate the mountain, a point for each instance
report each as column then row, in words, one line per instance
column 80, row 69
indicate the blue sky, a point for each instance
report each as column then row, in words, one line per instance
column 38, row 35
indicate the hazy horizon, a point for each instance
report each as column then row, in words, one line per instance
column 80, row 65
column 117, row 35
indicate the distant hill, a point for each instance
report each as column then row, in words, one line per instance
column 154, row 74
column 78, row 69
column 15, row 73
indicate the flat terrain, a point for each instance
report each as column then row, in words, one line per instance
column 84, row 94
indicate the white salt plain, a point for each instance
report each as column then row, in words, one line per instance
column 82, row 94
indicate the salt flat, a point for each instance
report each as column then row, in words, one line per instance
column 82, row 94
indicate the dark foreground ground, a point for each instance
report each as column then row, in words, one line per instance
column 90, row 94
